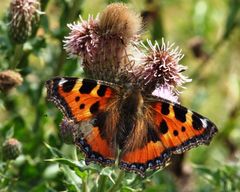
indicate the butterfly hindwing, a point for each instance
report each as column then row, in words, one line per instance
column 153, row 155
column 172, row 129
column 83, row 103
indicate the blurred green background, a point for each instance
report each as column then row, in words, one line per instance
column 207, row 31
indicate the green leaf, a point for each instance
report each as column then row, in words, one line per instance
column 72, row 164
column 10, row 133
column 55, row 152
column 232, row 18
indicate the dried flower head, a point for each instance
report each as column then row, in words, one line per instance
column 117, row 19
column 24, row 17
column 160, row 67
column 11, row 149
column 103, row 43
column 9, row 79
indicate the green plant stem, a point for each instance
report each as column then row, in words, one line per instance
column 115, row 187
column 216, row 47
column 69, row 18
column 18, row 53
column 38, row 112
column 6, row 167
column 101, row 183
column 84, row 186
column 195, row 74
column 61, row 61
column 74, row 10
column 75, row 157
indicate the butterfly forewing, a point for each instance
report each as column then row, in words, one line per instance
column 86, row 103
column 179, row 128
column 79, row 99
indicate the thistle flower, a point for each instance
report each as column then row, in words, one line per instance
column 24, row 16
column 166, row 93
column 11, row 149
column 160, row 67
column 103, row 43
column 83, row 39
column 9, row 79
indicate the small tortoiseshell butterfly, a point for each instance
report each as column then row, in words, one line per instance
column 146, row 129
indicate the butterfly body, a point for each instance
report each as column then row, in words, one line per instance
column 108, row 117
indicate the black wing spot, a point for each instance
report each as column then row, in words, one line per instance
column 102, row 90
column 180, row 113
column 87, row 86
column 77, row 98
column 175, row 133
column 183, row 129
column 165, row 108
column 68, row 85
column 82, row 106
column 99, row 122
column 163, row 127
column 196, row 122
column 94, row 108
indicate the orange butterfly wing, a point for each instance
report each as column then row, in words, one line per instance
column 83, row 101
column 175, row 129
column 181, row 129
column 78, row 99
column 166, row 128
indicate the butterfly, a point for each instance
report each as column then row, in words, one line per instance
column 121, row 123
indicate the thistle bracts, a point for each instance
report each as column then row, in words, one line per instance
column 67, row 130
column 24, row 16
column 11, row 149
column 103, row 43
column 9, row 79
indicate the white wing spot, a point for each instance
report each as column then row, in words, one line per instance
column 62, row 81
column 204, row 122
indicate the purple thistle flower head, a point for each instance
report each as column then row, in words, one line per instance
column 83, row 38
column 166, row 93
column 159, row 67
column 103, row 43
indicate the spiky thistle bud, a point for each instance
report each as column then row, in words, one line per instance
column 24, row 16
column 67, row 131
column 160, row 67
column 103, row 43
column 11, row 149
column 120, row 21
column 9, row 79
